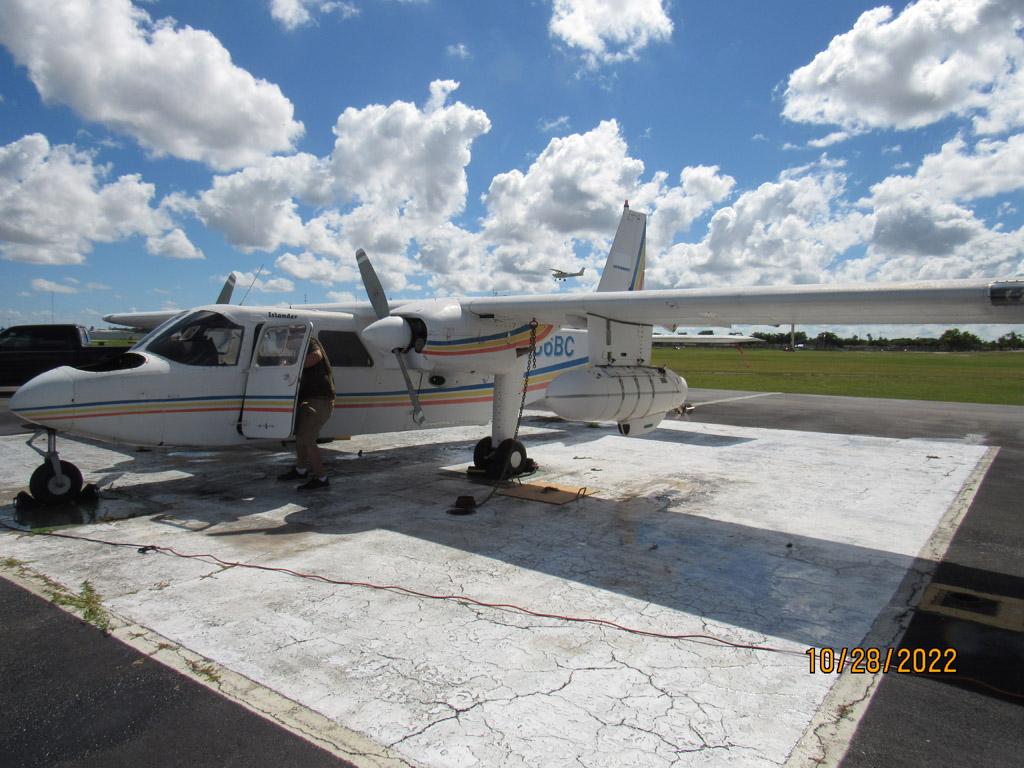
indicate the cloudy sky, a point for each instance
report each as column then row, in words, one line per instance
column 147, row 149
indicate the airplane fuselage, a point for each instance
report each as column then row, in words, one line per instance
column 163, row 392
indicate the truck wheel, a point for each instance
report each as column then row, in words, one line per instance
column 47, row 488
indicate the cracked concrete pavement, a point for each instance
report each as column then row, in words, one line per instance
column 761, row 537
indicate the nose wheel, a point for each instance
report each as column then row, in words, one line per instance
column 54, row 481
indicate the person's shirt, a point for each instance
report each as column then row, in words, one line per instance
column 317, row 380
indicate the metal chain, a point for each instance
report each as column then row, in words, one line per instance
column 531, row 363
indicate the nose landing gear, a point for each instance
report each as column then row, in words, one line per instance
column 55, row 480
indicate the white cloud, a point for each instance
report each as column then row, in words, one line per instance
column 48, row 286
column 553, row 126
column 293, row 14
column 398, row 172
column 958, row 173
column 784, row 232
column 609, row 31
column 176, row 91
column 401, row 157
column 306, row 266
column 458, row 51
column 256, row 207
column 174, row 245
column 916, row 238
column 922, row 230
column 827, row 141
column 247, row 280
column 54, row 205
column 935, row 59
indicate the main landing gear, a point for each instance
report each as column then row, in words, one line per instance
column 507, row 460
column 55, row 480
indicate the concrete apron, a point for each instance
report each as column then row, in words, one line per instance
column 763, row 537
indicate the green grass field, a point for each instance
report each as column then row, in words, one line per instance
column 965, row 377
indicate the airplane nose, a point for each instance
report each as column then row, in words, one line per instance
column 48, row 399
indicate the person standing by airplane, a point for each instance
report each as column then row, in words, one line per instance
column 315, row 405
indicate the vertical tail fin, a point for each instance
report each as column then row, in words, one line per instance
column 624, row 269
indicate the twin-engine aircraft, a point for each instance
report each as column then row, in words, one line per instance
column 223, row 375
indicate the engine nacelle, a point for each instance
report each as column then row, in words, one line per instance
column 463, row 341
column 626, row 394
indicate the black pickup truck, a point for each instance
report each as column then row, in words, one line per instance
column 28, row 350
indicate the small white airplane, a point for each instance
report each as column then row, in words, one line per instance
column 560, row 275
column 222, row 375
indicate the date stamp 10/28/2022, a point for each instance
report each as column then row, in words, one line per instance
column 871, row 661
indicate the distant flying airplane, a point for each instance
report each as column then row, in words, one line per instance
column 560, row 275
column 422, row 363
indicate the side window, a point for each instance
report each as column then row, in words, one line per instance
column 345, row 350
column 202, row 338
column 281, row 345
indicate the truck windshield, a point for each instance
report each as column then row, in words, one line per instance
column 199, row 338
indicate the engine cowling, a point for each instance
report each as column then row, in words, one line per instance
column 624, row 394
column 445, row 336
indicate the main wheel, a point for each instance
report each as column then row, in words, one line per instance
column 509, row 460
column 482, row 452
column 48, row 488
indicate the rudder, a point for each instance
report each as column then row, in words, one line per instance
column 624, row 269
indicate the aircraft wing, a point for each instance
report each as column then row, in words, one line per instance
column 704, row 338
column 147, row 321
column 141, row 321
column 938, row 301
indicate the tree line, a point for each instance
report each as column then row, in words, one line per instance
column 953, row 340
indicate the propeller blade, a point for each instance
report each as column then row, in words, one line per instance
column 374, row 290
column 417, row 412
column 379, row 302
column 225, row 293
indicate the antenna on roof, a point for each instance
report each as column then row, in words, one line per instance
column 626, row 205
column 255, row 278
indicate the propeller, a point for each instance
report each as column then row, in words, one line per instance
column 388, row 332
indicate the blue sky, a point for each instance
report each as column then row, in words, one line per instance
column 149, row 149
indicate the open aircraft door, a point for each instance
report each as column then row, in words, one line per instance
column 268, row 409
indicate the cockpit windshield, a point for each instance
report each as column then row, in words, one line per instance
column 199, row 338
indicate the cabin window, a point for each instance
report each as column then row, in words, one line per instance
column 202, row 338
column 282, row 345
column 345, row 350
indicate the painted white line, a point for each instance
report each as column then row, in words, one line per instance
column 732, row 399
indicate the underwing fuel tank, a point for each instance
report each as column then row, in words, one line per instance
column 626, row 394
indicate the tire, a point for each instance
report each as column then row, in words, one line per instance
column 482, row 452
column 509, row 460
column 47, row 488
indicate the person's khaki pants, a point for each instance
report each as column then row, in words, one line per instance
column 310, row 418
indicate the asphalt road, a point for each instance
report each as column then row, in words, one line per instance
column 78, row 698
